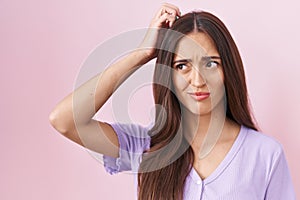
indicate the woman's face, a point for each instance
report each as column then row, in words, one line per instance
column 198, row 78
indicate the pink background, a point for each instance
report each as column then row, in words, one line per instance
column 42, row 45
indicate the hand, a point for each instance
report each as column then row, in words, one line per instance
column 164, row 19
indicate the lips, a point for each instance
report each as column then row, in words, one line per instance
column 199, row 96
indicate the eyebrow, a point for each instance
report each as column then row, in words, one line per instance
column 211, row 57
column 182, row 60
column 190, row 60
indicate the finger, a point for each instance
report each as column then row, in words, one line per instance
column 167, row 18
column 160, row 12
column 170, row 11
column 171, row 19
column 172, row 7
column 172, row 22
column 167, row 9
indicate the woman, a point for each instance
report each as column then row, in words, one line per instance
column 204, row 143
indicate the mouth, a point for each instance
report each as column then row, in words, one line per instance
column 199, row 96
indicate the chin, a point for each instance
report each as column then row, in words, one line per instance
column 198, row 111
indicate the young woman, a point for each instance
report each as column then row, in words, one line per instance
column 203, row 143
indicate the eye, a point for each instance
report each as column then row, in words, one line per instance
column 181, row 66
column 211, row 64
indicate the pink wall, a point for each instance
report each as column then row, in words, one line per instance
column 42, row 45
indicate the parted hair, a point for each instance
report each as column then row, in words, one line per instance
column 163, row 171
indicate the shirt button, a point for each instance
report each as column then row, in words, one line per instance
column 199, row 182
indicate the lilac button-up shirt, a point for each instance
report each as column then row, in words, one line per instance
column 255, row 168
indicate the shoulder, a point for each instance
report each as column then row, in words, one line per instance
column 261, row 142
column 133, row 137
column 271, row 164
column 133, row 141
column 261, row 151
column 263, row 163
column 135, row 130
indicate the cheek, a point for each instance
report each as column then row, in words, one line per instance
column 179, row 82
column 215, row 83
column 214, row 78
column 221, row 75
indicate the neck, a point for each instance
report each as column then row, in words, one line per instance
column 203, row 131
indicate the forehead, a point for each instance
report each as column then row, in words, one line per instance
column 195, row 44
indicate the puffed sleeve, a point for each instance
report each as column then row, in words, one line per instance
column 280, row 185
column 133, row 140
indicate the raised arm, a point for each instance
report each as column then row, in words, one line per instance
column 72, row 117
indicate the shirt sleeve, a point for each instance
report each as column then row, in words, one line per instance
column 133, row 141
column 280, row 186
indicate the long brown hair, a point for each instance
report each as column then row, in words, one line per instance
column 164, row 167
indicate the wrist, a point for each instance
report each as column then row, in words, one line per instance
column 142, row 55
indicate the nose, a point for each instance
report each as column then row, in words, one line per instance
column 196, row 79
